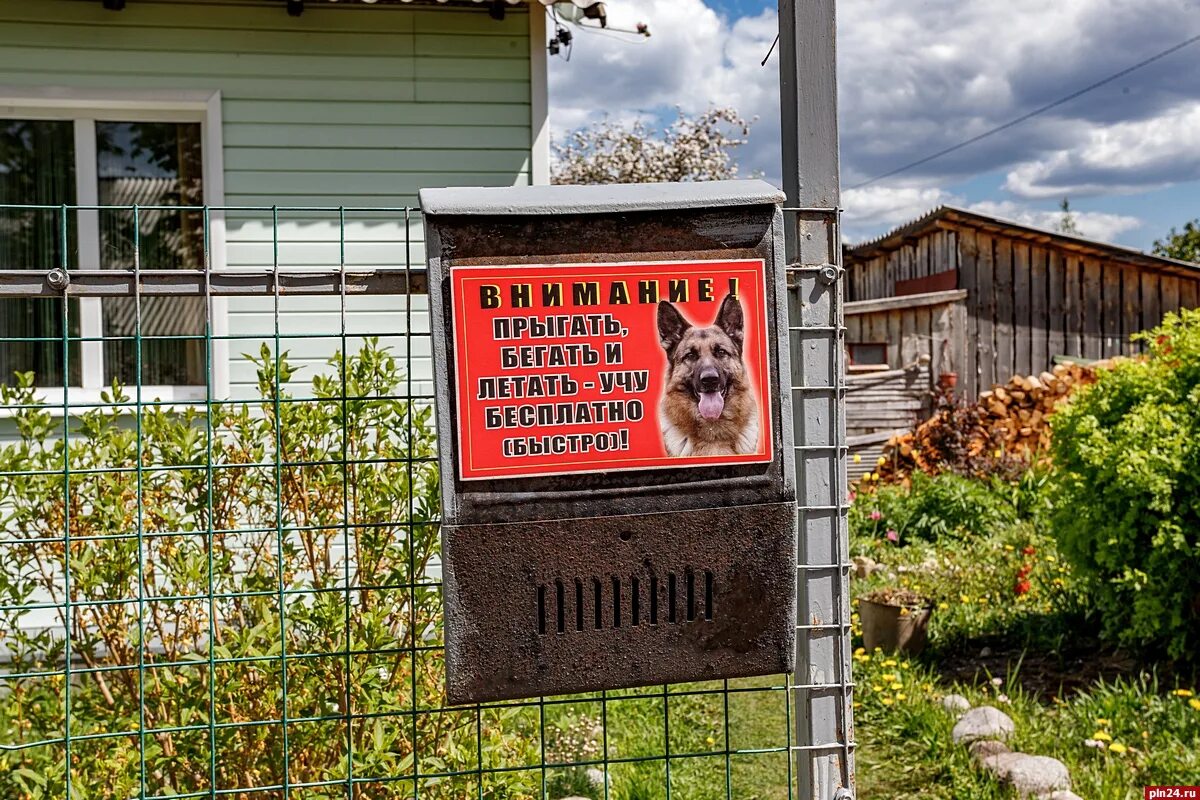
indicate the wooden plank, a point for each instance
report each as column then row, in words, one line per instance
column 1074, row 305
column 1039, row 309
column 1111, row 325
column 1170, row 293
column 895, row 340
column 959, row 345
column 1093, row 309
column 985, row 311
column 1056, row 275
column 968, row 276
column 1005, row 313
column 1189, row 293
column 1131, row 310
column 1151, row 300
column 910, row 344
column 1022, row 310
column 923, row 323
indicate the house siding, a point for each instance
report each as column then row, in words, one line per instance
column 342, row 106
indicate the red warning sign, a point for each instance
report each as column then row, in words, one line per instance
column 597, row 367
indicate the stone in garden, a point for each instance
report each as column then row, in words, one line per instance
column 596, row 777
column 864, row 566
column 985, row 722
column 985, row 652
column 1036, row 776
column 1001, row 765
column 984, row 749
column 955, row 702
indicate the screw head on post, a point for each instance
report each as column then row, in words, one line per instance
column 828, row 274
column 58, row 279
column 843, row 794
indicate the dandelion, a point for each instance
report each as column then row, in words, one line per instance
column 857, row 458
column 943, row 606
column 1194, row 703
column 876, row 687
column 1102, row 736
column 891, row 662
column 896, row 685
column 1145, row 734
column 876, row 515
column 1009, row 547
column 887, row 701
column 964, row 598
column 882, row 460
column 998, row 453
column 1051, row 559
column 888, row 676
column 1183, row 693
column 711, row 741
column 1104, row 722
column 997, row 681
column 900, row 698
column 1118, row 748
column 893, row 536
column 858, row 651
column 1002, row 698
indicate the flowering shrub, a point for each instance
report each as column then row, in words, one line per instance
column 930, row 508
column 1127, row 501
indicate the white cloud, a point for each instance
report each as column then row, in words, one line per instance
column 1092, row 224
column 1125, row 157
column 917, row 77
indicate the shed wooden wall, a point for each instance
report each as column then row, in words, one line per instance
column 1029, row 300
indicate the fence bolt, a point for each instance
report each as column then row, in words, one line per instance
column 58, row 279
column 828, row 274
column 843, row 794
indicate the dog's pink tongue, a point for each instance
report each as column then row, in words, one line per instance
column 711, row 405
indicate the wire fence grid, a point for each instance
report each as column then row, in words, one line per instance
column 219, row 541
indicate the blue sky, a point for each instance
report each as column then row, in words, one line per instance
column 919, row 75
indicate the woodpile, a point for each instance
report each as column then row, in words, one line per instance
column 1006, row 429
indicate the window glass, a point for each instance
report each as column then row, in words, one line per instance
column 155, row 165
column 37, row 167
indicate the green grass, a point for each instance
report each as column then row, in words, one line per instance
column 1060, row 686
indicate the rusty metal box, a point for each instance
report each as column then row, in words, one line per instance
column 614, row 420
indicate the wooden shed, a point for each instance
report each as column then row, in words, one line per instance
column 957, row 292
column 988, row 298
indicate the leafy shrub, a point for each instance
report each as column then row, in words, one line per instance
column 930, row 508
column 1127, row 491
column 315, row 540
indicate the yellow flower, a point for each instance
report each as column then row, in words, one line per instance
column 1103, row 722
column 858, row 651
column 1051, row 559
column 887, row 701
column 964, row 598
column 896, row 685
column 881, row 461
column 876, row 687
column 1183, row 693
column 857, row 458
column 1118, row 748
column 711, row 741
column 1194, row 703
column 943, row 606
column 1145, row 734
column 1009, row 547
column 889, row 676
column 1102, row 736
column 858, row 705
column 998, row 453
column 900, row 698
column 891, row 662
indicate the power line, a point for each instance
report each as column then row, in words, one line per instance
column 1042, row 110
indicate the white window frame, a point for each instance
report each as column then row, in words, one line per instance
column 85, row 108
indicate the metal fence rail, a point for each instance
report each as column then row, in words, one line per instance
column 231, row 588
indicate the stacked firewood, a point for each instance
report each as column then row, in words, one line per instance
column 1006, row 429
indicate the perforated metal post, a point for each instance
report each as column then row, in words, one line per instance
column 823, row 742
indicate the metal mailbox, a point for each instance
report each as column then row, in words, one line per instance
column 616, row 453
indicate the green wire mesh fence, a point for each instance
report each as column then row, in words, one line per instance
column 219, row 568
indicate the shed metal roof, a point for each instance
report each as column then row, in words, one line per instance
column 897, row 237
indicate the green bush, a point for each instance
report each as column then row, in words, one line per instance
column 931, row 508
column 1127, row 490
column 271, row 536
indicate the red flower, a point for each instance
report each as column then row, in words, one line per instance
column 1029, row 551
column 1024, row 570
column 1023, row 586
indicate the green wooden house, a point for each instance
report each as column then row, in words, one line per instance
column 244, row 105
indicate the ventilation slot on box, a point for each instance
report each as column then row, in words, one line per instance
column 619, row 601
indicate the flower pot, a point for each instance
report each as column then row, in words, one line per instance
column 902, row 628
column 947, row 381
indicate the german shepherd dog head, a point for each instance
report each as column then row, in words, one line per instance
column 707, row 406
